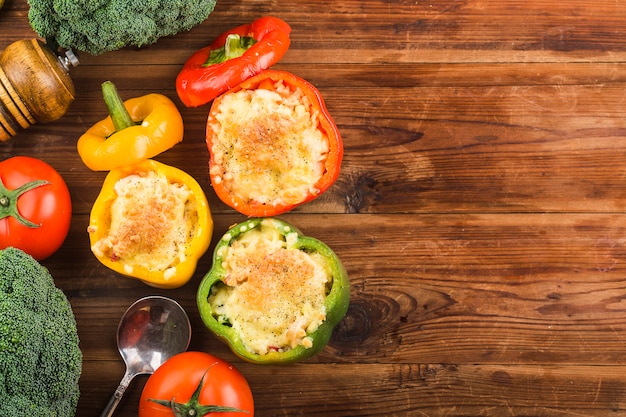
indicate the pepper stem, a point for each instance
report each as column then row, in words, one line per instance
column 8, row 201
column 119, row 115
column 234, row 47
column 193, row 408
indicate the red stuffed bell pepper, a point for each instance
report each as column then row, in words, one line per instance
column 272, row 144
column 233, row 57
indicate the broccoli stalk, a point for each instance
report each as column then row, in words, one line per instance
column 99, row 26
column 40, row 360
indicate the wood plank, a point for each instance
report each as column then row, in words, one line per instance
column 479, row 210
column 420, row 389
column 524, row 148
column 455, row 288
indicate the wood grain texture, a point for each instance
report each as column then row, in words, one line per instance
column 479, row 211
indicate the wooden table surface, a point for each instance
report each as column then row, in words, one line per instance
column 479, row 210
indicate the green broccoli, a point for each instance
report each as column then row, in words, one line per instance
column 40, row 360
column 98, row 26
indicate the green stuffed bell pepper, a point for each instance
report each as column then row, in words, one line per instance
column 273, row 294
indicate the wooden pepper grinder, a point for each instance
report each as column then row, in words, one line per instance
column 35, row 86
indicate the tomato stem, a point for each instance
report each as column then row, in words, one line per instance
column 193, row 408
column 8, row 201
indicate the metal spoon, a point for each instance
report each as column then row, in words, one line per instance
column 152, row 330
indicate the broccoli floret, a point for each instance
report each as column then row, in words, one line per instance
column 98, row 26
column 40, row 358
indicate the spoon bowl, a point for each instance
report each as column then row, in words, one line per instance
column 152, row 330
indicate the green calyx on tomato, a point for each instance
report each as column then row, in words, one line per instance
column 35, row 207
column 193, row 408
column 192, row 384
column 272, row 294
column 8, row 201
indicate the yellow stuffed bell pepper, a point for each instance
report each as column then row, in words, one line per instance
column 136, row 129
column 151, row 221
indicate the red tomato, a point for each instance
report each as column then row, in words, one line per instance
column 178, row 378
column 35, row 219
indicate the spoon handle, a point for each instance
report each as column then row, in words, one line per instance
column 117, row 396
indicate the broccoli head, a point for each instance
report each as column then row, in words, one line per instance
column 40, row 360
column 98, row 26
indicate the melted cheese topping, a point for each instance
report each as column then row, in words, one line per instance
column 274, row 295
column 267, row 145
column 152, row 221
